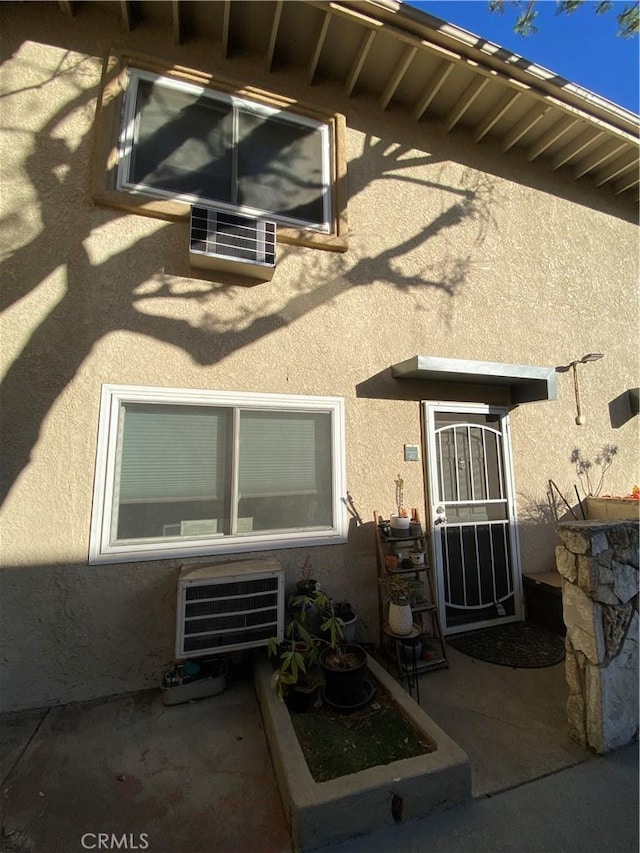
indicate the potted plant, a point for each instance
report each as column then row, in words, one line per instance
column 343, row 610
column 295, row 656
column 397, row 594
column 307, row 585
column 400, row 521
column 344, row 667
column 294, row 677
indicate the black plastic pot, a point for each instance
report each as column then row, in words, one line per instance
column 306, row 587
column 410, row 652
column 344, row 675
column 298, row 699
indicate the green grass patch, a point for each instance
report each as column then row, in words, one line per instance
column 337, row 744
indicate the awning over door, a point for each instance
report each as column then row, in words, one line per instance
column 526, row 383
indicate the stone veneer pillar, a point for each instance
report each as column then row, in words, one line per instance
column 598, row 562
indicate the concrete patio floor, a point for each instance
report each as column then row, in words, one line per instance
column 512, row 723
column 197, row 778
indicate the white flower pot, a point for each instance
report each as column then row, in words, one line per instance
column 399, row 525
column 400, row 618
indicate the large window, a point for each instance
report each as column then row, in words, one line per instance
column 183, row 473
column 187, row 142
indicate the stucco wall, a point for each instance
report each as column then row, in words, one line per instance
column 455, row 250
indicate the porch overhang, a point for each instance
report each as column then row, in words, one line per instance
column 526, row 383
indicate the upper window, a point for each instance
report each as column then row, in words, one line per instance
column 186, row 142
column 184, row 473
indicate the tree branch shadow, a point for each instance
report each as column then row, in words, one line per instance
column 52, row 356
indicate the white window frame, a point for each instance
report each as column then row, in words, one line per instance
column 128, row 134
column 102, row 550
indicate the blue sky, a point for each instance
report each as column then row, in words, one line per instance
column 582, row 47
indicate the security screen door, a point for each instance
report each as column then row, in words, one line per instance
column 472, row 512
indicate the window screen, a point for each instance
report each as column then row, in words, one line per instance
column 280, row 167
column 183, row 144
column 181, row 141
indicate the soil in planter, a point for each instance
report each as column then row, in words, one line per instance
column 343, row 661
column 338, row 744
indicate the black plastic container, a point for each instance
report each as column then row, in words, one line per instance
column 345, row 684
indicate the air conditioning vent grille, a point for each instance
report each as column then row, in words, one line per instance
column 231, row 605
column 227, row 642
column 231, row 242
column 241, row 610
column 230, row 622
column 223, row 590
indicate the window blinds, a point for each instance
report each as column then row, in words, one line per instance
column 178, row 453
column 281, row 452
column 171, row 453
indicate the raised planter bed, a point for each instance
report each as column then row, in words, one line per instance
column 612, row 509
column 321, row 813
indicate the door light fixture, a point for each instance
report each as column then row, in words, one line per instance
column 573, row 365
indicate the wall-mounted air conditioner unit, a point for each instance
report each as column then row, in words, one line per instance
column 229, row 242
column 229, row 606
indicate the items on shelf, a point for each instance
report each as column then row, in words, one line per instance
column 403, row 564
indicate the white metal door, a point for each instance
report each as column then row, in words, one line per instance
column 470, row 486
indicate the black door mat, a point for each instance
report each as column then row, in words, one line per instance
column 521, row 645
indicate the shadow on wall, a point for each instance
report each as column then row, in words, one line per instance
column 620, row 409
column 538, row 518
column 101, row 297
column 75, row 632
column 72, row 632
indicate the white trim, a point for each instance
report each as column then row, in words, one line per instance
column 103, row 550
column 128, row 134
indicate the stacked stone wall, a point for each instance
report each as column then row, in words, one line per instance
column 598, row 562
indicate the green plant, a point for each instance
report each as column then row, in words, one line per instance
column 627, row 16
column 291, row 667
column 396, row 588
column 300, row 650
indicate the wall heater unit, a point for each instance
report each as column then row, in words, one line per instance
column 229, row 242
column 229, row 606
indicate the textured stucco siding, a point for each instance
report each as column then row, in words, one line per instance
column 455, row 250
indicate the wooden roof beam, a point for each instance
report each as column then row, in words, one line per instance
column 313, row 64
column 359, row 61
column 435, row 84
column 176, row 21
column 464, row 102
column 575, row 147
column 273, row 38
column 396, row 77
column 597, row 158
column 501, row 109
column 616, row 168
column 555, row 132
column 632, row 180
column 226, row 28
column 126, row 13
column 526, row 123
